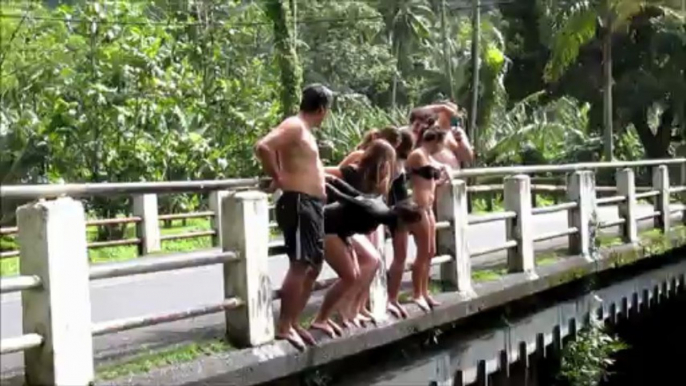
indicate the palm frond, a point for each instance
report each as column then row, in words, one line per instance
column 578, row 28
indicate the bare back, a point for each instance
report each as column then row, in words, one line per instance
column 301, row 169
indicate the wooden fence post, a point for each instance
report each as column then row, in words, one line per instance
column 245, row 230
column 52, row 241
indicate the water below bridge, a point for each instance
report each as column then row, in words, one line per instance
column 522, row 343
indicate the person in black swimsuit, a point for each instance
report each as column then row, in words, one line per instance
column 349, row 212
column 371, row 176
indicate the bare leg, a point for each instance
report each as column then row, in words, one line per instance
column 396, row 271
column 308, row 284
column 432, row 253
column 369, row 259
column 339, row 257
column 419, row 274
column 291, row 297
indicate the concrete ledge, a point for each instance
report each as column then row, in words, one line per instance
column 277, row 360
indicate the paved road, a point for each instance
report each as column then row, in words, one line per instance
column 167, row 291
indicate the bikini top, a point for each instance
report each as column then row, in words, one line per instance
column 428, row 172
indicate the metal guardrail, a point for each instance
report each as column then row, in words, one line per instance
column 20, row 343
column 159, row 264
column 556, row 234
column 18, row 283
column 554, row 208
column 122, row 188
column 610, row 200
column 510, row 170
column 474, row 219
column 119, row 325
column 485, row 251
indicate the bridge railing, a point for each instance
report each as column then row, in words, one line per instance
column 55, row 273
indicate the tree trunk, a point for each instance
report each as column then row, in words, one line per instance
column 286, row 57
column 446, row 52
column 396, row 53
column 608, row 145
column 476, row 37
column 656, row 146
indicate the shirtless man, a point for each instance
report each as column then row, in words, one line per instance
column 290, row 156
column 457, row 149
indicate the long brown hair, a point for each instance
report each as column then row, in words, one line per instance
column 389, row 133
column 377, row 156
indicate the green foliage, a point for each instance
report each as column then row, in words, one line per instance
column 286, row 56
column 585, row 361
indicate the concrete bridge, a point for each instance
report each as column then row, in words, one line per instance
column 74, row 314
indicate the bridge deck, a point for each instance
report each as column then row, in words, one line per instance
column 167, row 291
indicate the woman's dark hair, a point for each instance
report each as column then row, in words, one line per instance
column 376, row 155
column 315, row 97
column 431, row 134
column 406, row 144
column 390, row 134
column 408, row 212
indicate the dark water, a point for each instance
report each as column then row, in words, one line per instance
column 657, row 341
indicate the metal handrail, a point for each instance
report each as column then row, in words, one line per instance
column 159, row 264
column 122, row 188
column 485, row 251
column 507, row 170
column 491, row 217
column 554, row 208
column 556, row 234
column 18, row 283
column 119, row 325
column 20, row 343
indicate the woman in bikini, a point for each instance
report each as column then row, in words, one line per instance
column 399, row 234
column 356, row 257
column 425, row 174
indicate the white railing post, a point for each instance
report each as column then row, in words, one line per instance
column 661, row 202
column 52, row 241
column 581, row 189
column 378, row 292
column 452, row 207
column 245, row 230
column 215, row 205
column 517, row 195
column 148, row 230
column 626, row 186
column 682, row 182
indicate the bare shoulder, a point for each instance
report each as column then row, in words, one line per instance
column 416, row 158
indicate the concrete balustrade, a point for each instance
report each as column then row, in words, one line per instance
column 52, row 240
column 54, row 264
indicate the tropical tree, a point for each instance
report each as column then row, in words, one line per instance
column 286, row 55
column 572, row 24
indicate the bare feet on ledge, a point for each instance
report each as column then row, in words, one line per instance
column 305, row 335
column 421, row 303
column 324, row 326
column 336, row 328
column 292, row 337
column 397, row 310
column 366, row 313
column 433, row 303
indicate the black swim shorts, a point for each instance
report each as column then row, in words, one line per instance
column 301, row 219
